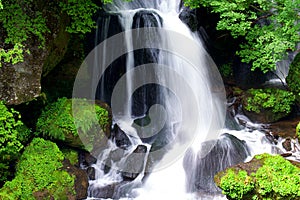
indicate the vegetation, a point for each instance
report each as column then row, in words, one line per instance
column 13, row 134
column 279, row 101
column 276, row 178
column 26, row 19
column 236, row 184
column 39, row 174
column 293, row 79
column 269, row 28
column 57, row 121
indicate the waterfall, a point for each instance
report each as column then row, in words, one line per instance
column 168, row 106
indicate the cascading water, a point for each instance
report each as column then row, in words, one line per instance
column 168, row 105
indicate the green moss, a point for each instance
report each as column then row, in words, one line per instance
column 236, row 184
column 276, row 100
column 13, row 134
column 293, row 79
column 39, row 172
column 57, row 121
column 276, row 178
column 71, row 155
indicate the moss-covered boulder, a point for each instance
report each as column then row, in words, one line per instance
column 40, row 175
column 293, row 78
column 91, row 124
column 46, row 40
column 267, row 105
column 264, row 177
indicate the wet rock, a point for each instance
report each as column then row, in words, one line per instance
column 91, row 173
column 109, row 191
column 120, row 137
column 81, row 180
column 285, row 128
column 287, row 145
column 135, row 162
column 86, row 158
column 214, row 156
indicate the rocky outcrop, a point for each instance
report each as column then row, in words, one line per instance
column 21, row 82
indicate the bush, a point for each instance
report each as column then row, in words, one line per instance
column 267, row 177
column 57, row 121
column 236, row 184
column 39, row 174
column 13, row 134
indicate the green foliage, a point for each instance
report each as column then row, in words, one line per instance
column 236, row 184
column 279, row 101
column 39, row 170
column 80, row 12
column 71, row 155
column 276, row 178
column 270, row 28
column 293, row 79
column 20, row 23
column 13, row 134
column 226, row 70
column 57, row 121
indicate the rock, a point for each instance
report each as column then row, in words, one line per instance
column 214, row 156
column 135, row 162
column 120, row 137
column 112, row 191
column 91, row 173
column 287, row 144
column 21, row 82
column 285, row 128
column 81, row 179
column 86, row 158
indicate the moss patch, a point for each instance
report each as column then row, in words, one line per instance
column 265, row 177
column 39, row 174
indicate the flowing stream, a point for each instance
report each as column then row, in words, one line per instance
column 168, row 105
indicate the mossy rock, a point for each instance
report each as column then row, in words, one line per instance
column 264, row 177
column 267, row 105
column 40, row 175
column 91, row 124
column 293, row 78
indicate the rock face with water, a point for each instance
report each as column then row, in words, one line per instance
column 214, row 156
column 21, row 82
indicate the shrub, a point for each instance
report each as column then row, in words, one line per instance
column 13, row 134
column 236, row 184
column 39, row 174
column 278, row 101
column 57, row 121
column 272, row 177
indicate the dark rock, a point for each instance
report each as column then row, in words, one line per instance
column 86, row 158
column 21, row 82
column 285, row 128
column 287, row 145
column 286, row 154
column 81, row 180
column 91, row 173
column 109, row 191
column 120, row 137
column 214, row 156
column 135, row 162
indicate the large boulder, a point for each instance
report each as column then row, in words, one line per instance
column 22, row 82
